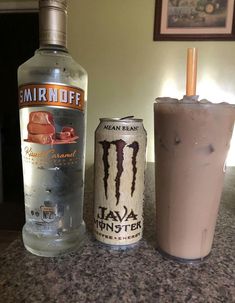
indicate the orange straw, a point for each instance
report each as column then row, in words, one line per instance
column 191, row 81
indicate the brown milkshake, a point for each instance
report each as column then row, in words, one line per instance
column 191, row 144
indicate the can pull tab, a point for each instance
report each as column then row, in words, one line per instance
column 127, row 117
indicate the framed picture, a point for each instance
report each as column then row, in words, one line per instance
column 194, row 20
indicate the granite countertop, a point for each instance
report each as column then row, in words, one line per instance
column 97, row 274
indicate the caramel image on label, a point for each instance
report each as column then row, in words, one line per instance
column 41, row 129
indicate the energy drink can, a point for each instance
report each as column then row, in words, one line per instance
column 120, row 160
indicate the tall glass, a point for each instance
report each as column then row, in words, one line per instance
column 191, row 143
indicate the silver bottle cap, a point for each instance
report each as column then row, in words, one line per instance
column 53, row 22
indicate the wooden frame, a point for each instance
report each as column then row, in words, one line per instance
column 194, row 20
column 19, row 7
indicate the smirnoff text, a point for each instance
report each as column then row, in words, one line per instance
column 43, row 94
column 51, row 95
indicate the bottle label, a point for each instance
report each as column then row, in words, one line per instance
column 52, row 122
column 51, row 95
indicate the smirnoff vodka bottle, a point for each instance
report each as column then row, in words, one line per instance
column 52, row 101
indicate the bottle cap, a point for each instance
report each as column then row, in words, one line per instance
column 62, row 4
column 53, row 22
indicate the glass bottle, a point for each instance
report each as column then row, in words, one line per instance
column 52, row 101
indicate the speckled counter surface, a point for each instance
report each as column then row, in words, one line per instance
column 97, row 274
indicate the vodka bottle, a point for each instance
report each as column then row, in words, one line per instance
column 52, row 101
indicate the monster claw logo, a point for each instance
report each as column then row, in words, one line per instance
column 135, row 146
column 119, row 144
column 106, row 145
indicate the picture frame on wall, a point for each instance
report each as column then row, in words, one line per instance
column 194, row 20
column 28, row 6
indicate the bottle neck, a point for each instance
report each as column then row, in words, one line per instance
column 53, row 27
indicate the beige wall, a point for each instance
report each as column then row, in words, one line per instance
column 113, row 41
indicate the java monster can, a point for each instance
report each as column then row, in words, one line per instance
column 120, row 159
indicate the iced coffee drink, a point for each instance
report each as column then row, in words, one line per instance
column 191, row 144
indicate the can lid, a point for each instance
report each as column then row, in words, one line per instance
column 124, row 119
